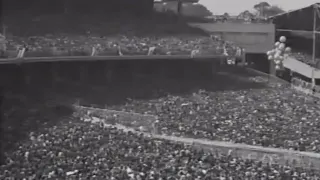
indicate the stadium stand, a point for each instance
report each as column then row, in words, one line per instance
column 45, row 139
column 297, row 26
column 105, row 33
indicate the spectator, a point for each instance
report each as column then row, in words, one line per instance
column 3, row 47
column 164, row 34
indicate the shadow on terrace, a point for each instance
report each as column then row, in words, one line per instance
column 41, row 103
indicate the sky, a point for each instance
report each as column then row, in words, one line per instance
column 234, row 7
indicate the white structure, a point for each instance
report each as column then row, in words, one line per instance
column 254, row 38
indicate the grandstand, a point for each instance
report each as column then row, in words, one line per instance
column 299, row 26
column 115, row 96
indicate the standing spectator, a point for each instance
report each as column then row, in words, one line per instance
column 3, row 46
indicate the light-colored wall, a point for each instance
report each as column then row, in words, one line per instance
column 255, row 38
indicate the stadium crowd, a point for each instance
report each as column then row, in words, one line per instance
column 46, row 142
column 274, row 117
column 78, row 35
column 75, row 149
column 232, row 107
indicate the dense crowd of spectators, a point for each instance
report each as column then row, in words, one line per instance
column 74, row 149
column 240, row 19
column 233, row 107
column 273, row 116
column 77, row 35
column 229, row 107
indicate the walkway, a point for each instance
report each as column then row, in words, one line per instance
column 301, row 68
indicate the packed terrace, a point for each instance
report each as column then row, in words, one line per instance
column 44, row 139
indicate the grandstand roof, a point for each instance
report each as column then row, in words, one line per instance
column 300, row 19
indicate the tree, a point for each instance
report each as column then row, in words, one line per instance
column 260, row 7
column 273, row 10
column 226, row 15
column 187, row 9
column 264, row 9
column 197, row 10
column 245, row 15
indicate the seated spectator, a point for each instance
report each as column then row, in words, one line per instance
column 3, row 47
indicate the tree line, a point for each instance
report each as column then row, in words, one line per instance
column 262, row 9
